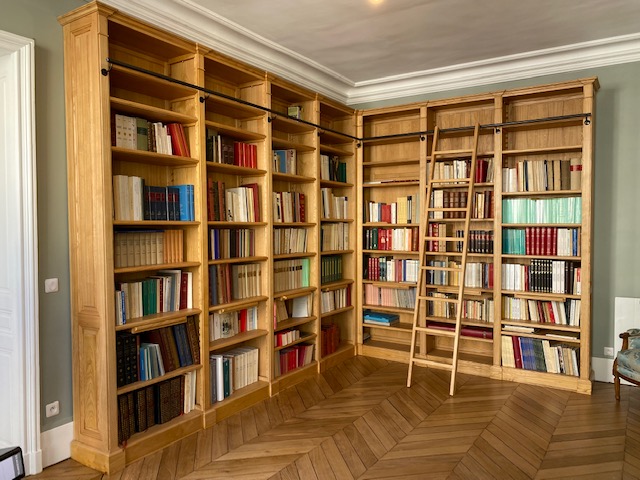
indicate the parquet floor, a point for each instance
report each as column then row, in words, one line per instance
column 359, row 421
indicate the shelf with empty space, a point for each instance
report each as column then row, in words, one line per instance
column 151, row 158
column 334, row 184
column 283, row 123
column 337, row 311
column 235, row 132
column 149, row 112
column 292, row 322
column 253, row 259
column 296, row 292
column 542, row 325
column 145, row 383
column 222, row 343
column 281, row 143
column 232, row 108
column 157, row 320
column 291, row 178
column 235, row 169
column 132, row 80
column 336, row 252
column 341, row 152
column 286, row 256
column 237, row 304
column 391, row 184
column 151, row 268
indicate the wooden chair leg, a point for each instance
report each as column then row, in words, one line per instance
column 616, row 382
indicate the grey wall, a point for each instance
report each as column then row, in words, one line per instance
column 37, row 19
column 617, row 197
column 616, row 269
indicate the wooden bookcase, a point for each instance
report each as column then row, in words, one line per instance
column 344, row 161
column 549, row 131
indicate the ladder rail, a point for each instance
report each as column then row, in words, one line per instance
column 422, row 294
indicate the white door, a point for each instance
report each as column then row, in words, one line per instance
column 19, row 382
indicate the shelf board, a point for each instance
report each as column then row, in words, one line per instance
column 390, row 225
column 458, row 254
column 543, row 193
column 548, row 257
column 151, row 268
column 559, row 225
column 288, row 379
column 392, row 252
column 158, row 320
column 372, row 142
column 285, row 256
column 290, row 178
column 235, row 132
column 149, row 112
column 341, row 152
column 337, row 252
column 392, row 163
column 379, row 308
column 306, row 338
column 283, row 144
column 151, row 158
column 330, row 138
column 326, row 287
column 546, row 326
column 542, row 336
column 459, row 220
column 134, row 81
column 235, row 170
column 396, row 285
column 253, row 259
column 397, row 347
column 471, row 291
column 468, row 322
column 231, row 108
column 391, row 184
column 398, row 327
column 284, row 124
column 337, row 311
column 296, row 292
column 293, row 224
column 540, row 295
column 221, row 343
column 337, row 220
column 543, row 150
column 141, row 384
column 154, row 223
column 565, row 122
column 292, row 322
column 445, row 355
column 237, row 304
column 237, row 395
column 236, row 224
column 334, row 184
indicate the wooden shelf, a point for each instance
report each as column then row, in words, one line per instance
column 153, row 223
column 337, row 311
column 391, row 252
column 234, row 132
column 539, row 295
column 283, row 144
column 152, row 268
column 235, row 170
column 285, row 256
column 337, row 252
column 559, row 193
column 222, row 343
column 142, row 384
column 548, row 257
column 545, row 326
column 336, row 220
column 151, row 158
column 392, row 163
column 391, row 184
column 232, row 109
column 397, row 285
column 398, row 327
column 543, row 150
column 222, row 261
column 151, row 113
column 225, row 224
column 287, row 125
column 293, row 322
column 296, row 292
column 378, row 308
column 293, row 224
column 341, row 152
column 289, row 178
column 139, row 82
column 305, row 339
column 334, row 184
column 237, row 304
column 158, row 320
column 326, row 287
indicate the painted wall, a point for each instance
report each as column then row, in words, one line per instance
column 617, row 196
column 37, row 19
column 616, row 269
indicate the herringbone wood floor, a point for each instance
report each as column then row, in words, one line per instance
column 359, row 421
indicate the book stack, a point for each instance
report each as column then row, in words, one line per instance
column 404, row 210
column 335, row 299
column 330, row 338
column 139, row 248
column 390, row 297
column 465, row 331
column 334, row 236
column 540, row 355
column 542, row 311
column 483, row 204
column 289, row 240
column 334, row 207
column 371, row 317
column 291, row 274
column 140, row 134
column 288, row 207
column 395, row 239
column 286, row 337
column 330, row 268
column 542, row 210
column 133, row 200
column 231, row 243
column 390, row 269
column 552, row 241
column 542, row 175
column 290, row 358
column 285, row 161
column 545, row 276
column 232, row 370
column 229, row 324
column 331, row 168
column 225, row 150
column 297, row 307
column 234, row 282
column 237, row 204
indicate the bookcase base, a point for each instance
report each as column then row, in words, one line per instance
column 296, row 376
column 242, row 399
column 562, row 382
column 97, row 459
column 343, row 353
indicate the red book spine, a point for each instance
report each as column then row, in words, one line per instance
column 517, row 352
column 537, row 240
column 302, row 208
column 554, row 241
column 528, row 241
column 184, row 283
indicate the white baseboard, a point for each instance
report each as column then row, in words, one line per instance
column 56, row 444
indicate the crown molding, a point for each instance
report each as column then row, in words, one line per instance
column 192, row 22
column 568, row 58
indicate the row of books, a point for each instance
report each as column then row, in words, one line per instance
column 542, row 311
column 285, row 337
column 390, row 269
column 234, row 204
column 329, row 338
column 465, row 330
column 542, row 210
column 290, row 240
column 482, row 206
column 480, row 241
column 285, row 161
column 552, row 241
column 290, row 358
column 477, row 274
column 460, row 168
column 234, row 282
column 394, row 239
column 231, row 243
column 542, row 175
column 389, row 297
column 333, row 206
column 288, row 207
column 297, row 307
column 291, row 274
column 539, row 355
column 177, row 346
column 546, row 276
column 154, row 405
column 481, row 310
column 230, row 324
column 334, row 236
column 231, row 371
column 140, row 134
column 331, row 168
column 133, row 200
column 331, row 300
column 168, row 291
column 139, row 248
column 404, row 210
column 371, row 317
column 221, row 149
column 330, row 268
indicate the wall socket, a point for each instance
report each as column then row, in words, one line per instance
column 608, row 352
column 52, row 409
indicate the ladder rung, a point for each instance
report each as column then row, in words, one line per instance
column 452, row 152
column 441, row 269
column 432, row 363
column 438, row 299
column 436, row 331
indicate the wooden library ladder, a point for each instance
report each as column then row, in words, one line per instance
column 433, row 277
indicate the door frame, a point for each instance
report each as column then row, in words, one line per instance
column 22, row 50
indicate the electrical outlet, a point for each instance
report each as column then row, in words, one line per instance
column 608, row 352
column 50, row 285
column 52, row 409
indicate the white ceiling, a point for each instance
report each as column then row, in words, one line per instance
column 354, row 50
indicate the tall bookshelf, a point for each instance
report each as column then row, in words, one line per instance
column 535, row 282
